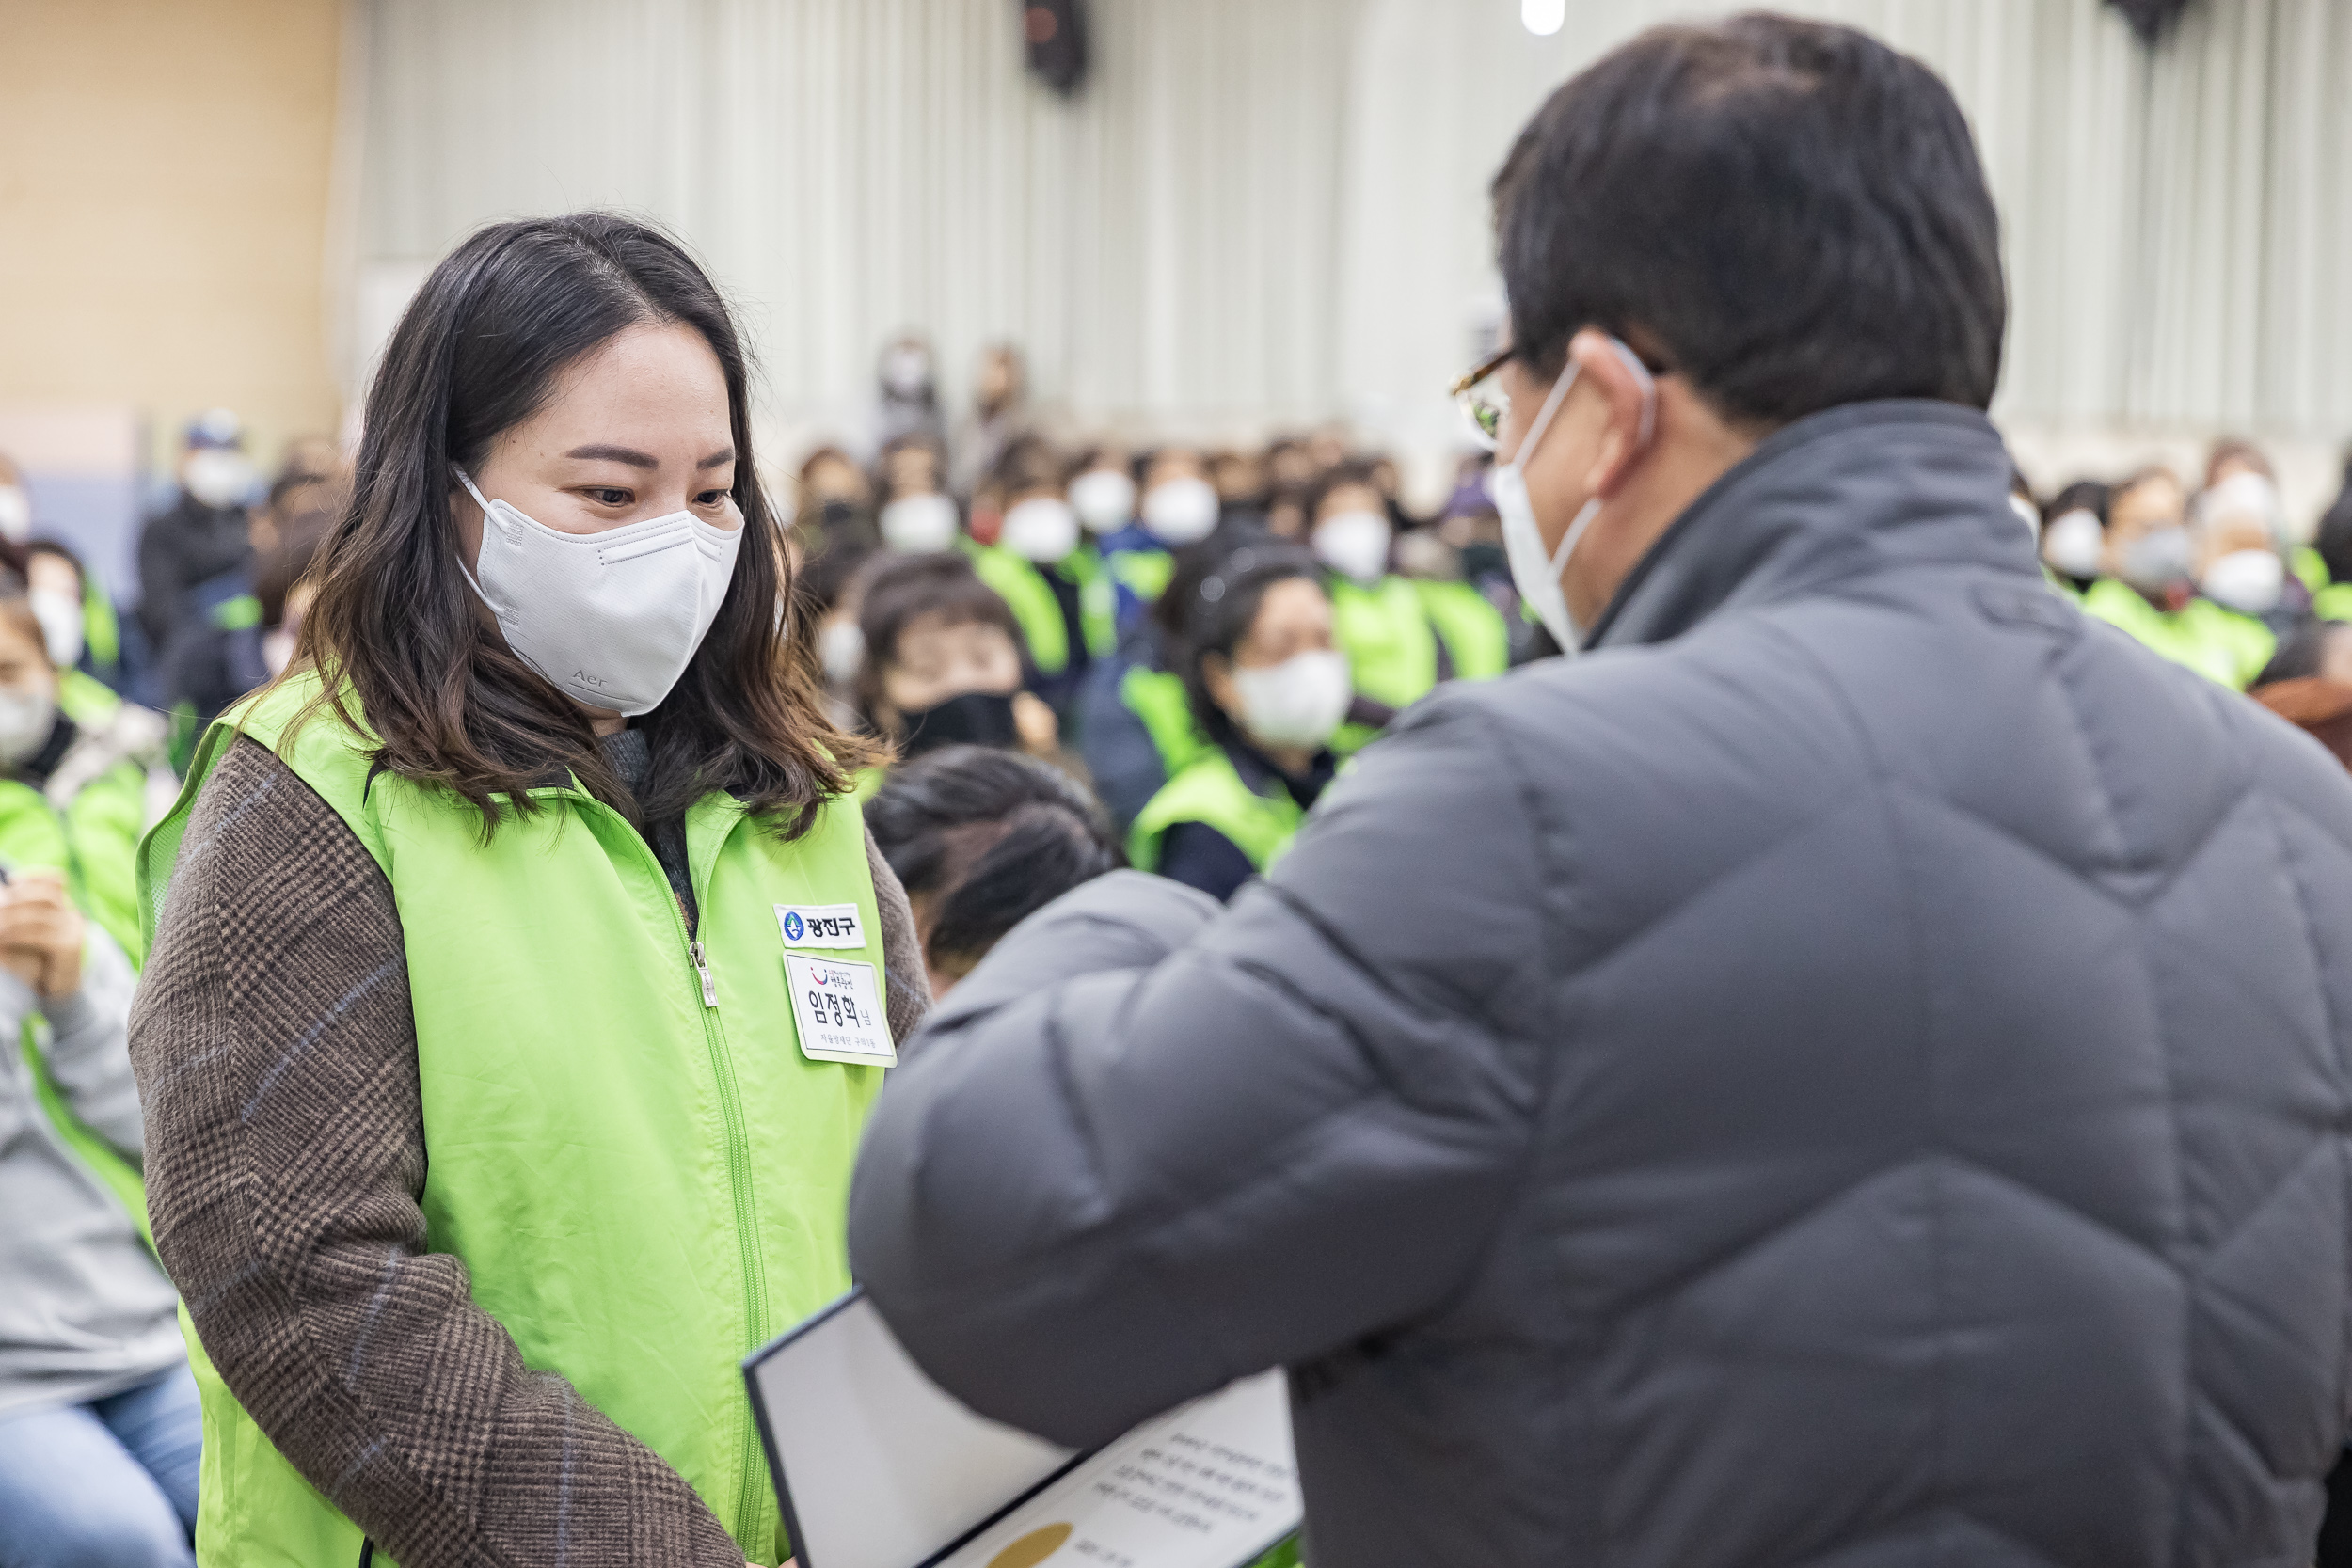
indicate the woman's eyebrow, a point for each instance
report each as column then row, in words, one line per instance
column 629, row 455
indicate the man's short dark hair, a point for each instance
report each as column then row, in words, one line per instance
column 1789, row 214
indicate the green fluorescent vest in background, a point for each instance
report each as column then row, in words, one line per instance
column 642, row 1189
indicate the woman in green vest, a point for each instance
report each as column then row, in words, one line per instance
column 1269, row 688
column 523, row 971
column 75, row 782
column 2150, row 591
column 1044, row 567
column 1402, row 635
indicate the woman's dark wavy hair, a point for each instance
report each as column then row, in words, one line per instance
column 445, row 700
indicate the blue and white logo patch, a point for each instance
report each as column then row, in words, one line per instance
column 831, row 925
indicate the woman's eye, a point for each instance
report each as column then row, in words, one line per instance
column 606, row 495
column 711, row 497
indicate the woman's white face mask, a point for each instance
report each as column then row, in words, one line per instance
column 915, row 525
column 1299, row 702
column 613, row 619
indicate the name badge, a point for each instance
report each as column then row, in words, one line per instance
column 838, row 1007
column 821, row 926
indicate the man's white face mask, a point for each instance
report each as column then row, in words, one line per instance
column 1533, row 571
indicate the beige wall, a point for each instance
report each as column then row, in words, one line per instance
column 163, row 172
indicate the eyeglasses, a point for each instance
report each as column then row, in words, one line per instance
column 1480, row 396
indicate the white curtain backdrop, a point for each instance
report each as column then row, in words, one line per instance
column 1163, row 246
column 1264, row 212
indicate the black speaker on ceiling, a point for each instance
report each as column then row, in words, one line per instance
column 2150, row 18
column 1056, row 32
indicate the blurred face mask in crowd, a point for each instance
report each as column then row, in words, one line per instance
column 2248, row 581
column 841, row 648
column 968, row 719
column 906, row 372
column 1103, row 499
column 1042, row 528
column 61, row 625
column 1355, row 543
column 1534, row 572
column 2155, row 559
column 218, row 478
column 612, row 618
column 1180, row 511
column 2072, row 542
column 1299, row 702
column 16, row 513
column 28, row 699
column 912, row 525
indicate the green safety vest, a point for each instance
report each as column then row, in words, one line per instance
column 2333, row 603
column 2215, row 642
column 1159, row 699
column 644, row 1177
column 90, row 701
column 101, row 631
column 94, row 842
column 1211, row 791
column 1390, row 631
column 1144, row 573
column 2309, row 566
column 1020, row 583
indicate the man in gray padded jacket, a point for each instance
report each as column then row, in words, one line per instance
column 1849, row 1070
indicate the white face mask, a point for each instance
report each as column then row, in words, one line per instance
column 1180, row 511
column 2249, row 582
column 217, row 477
column 906, row 372
column 1535, row 574
column 1355, row 543
column 613, row 619
column 26, row 719
column 16, row 513
column 1042, row 528
column 2072, row 543
column 912, row 525
column 1104, row 499
column 1299, row 702
column 2157, row 560
column 841, row 647
column 61, row 618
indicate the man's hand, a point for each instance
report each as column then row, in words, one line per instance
column 41, row 934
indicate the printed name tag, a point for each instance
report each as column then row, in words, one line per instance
column 838, row 1007
column 821, row 926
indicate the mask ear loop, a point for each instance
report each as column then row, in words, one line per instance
column 463, row 571
column 1586, row 514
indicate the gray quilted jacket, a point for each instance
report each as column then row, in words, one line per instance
column 1852, row 1072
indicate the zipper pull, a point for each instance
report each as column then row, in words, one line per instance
column 710, row 989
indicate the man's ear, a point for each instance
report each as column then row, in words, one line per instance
column 1631, row 398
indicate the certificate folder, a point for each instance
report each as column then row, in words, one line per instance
column 877, row 1467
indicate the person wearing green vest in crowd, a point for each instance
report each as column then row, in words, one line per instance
column 943, row 665
column 2074, row 537
column 74, row 795
column 1269, row 688
column 100, row 1429
column 1402, row 635
column 77, row 621
column 1178, row 508
column 2150, row 591
column 1137, row 729
column 1052, row 577
column 521, row 970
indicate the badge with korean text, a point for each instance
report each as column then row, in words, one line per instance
column 837, row 1005
column 821, row 926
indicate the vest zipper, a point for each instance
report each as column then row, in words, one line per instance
column 750, row 1510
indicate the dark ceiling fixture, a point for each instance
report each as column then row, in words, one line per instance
column 2150, row 18
column 1056, row 32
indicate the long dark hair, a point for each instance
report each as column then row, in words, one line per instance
column 443, row 698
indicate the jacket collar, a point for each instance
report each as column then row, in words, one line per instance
column 1847, row 493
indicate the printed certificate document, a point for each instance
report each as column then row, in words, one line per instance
column 877, row 1467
